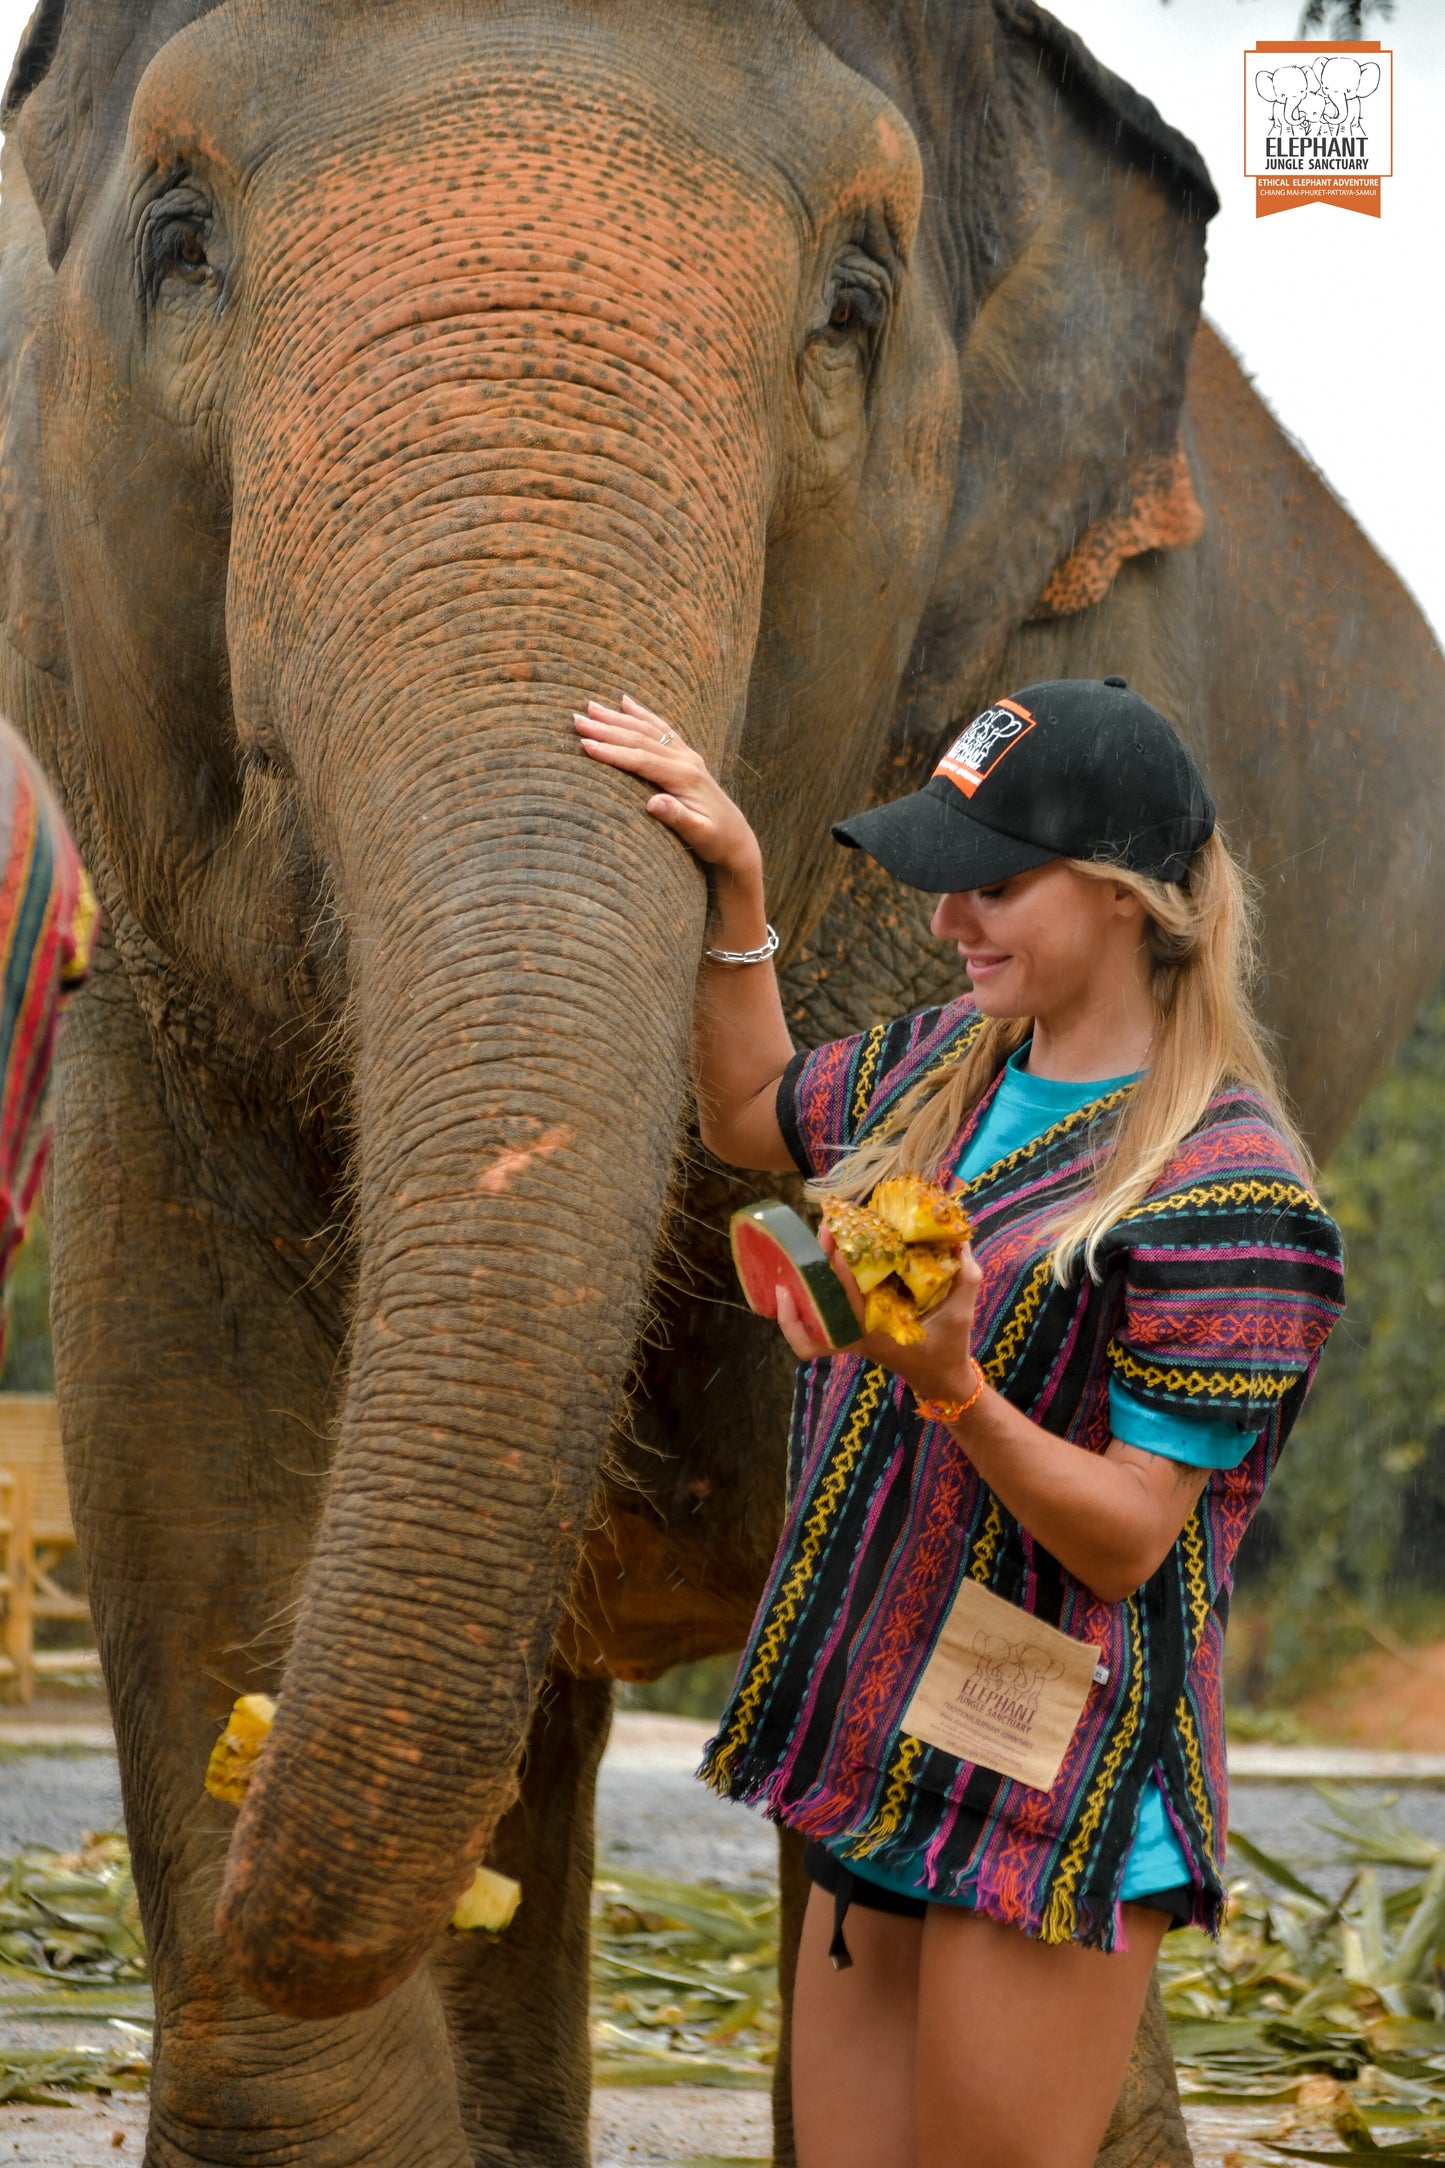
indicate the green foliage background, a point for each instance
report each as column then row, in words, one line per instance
column 28, row 1367
column 1353, row 1527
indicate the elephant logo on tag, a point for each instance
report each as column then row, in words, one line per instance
column 1318, row 124
column 1323, row 99
column 978, row 751
column 1016, row 1670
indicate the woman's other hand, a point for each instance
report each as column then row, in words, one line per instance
column 688, row 798
column 938, row 1367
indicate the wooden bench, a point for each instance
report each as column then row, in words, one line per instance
column 35, row 1535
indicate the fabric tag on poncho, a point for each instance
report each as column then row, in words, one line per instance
column 1002, row 1689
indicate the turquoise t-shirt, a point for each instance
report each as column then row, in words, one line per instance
column 1023, row 1107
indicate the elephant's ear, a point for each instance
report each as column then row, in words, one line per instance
column 69, row 96
column 30, row 608
column 1077, row 219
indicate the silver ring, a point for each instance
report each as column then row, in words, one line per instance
column 666, row 738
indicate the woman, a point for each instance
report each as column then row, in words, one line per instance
column 1020, row 1531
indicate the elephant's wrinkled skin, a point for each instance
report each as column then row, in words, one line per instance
column 380, row 383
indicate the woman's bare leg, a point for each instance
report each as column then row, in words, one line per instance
column 1022, row 2046
column 854, row 2035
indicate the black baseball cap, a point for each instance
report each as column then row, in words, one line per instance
column 1074, row 768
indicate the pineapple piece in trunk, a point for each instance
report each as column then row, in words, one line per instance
column 488, row 1901
column 235, row 1753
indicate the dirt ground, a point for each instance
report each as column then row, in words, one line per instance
column 80, row 2137
column 652, row 1810
column 679, row 2127
column 1393, row 1701
column 630, row 2130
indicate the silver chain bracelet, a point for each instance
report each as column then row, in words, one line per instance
column 746, row 955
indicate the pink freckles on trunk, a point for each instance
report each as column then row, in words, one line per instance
column 539, row 423
column 498, row 1176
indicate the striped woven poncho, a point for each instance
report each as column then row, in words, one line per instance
column 1217, row 1293
column 48, row 919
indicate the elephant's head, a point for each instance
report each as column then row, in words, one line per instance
column 401, row 377
column 1287, row 88
column 1343, row 81
column 1309, row 112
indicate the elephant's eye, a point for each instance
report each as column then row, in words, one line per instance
column 180, row 251
column 854, row 308
column 176, row 242
column 857, row 306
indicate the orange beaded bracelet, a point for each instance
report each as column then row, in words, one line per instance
column 949, row 1411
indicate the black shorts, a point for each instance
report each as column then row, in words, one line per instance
column 846, row 1888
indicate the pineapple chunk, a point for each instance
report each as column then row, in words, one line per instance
column 489, row 1901
column 919, row 1211
column 870, row 1245
column 928, row 1271
column 234, row 1754
column 890, row 1308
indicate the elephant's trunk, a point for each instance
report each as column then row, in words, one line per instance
column 445, row 539
column 520, row 1059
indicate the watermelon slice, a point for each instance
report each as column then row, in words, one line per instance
column 772, row 1246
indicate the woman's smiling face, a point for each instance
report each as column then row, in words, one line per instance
column 1046, row 944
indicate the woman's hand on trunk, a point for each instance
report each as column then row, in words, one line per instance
column 938, row 1367
column 688, row 798
column 741, row 1041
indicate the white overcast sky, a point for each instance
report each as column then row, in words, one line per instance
column 1340, row 319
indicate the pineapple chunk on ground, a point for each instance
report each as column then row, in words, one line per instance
column 919, row 1210
column 489, row 1901
column 234, row 1754
column 873, row 1248
column 927, row 1270
column 890, row 1308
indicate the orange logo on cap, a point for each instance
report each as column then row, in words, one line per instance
column 976, row 754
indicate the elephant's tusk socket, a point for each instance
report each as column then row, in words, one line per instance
column 489, row 1900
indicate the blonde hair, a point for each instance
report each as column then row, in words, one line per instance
column 1203, row 947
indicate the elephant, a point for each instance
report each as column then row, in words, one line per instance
column 379, row 383
column 1323, row 98
column 1343, row 82
column 1014, row 1667
column 1309, row 114
column 1288, row 91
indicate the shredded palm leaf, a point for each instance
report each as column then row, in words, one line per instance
column 71, row 1948
column 1324, row 2014
column 684, row 1983
column 1334, row 2005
